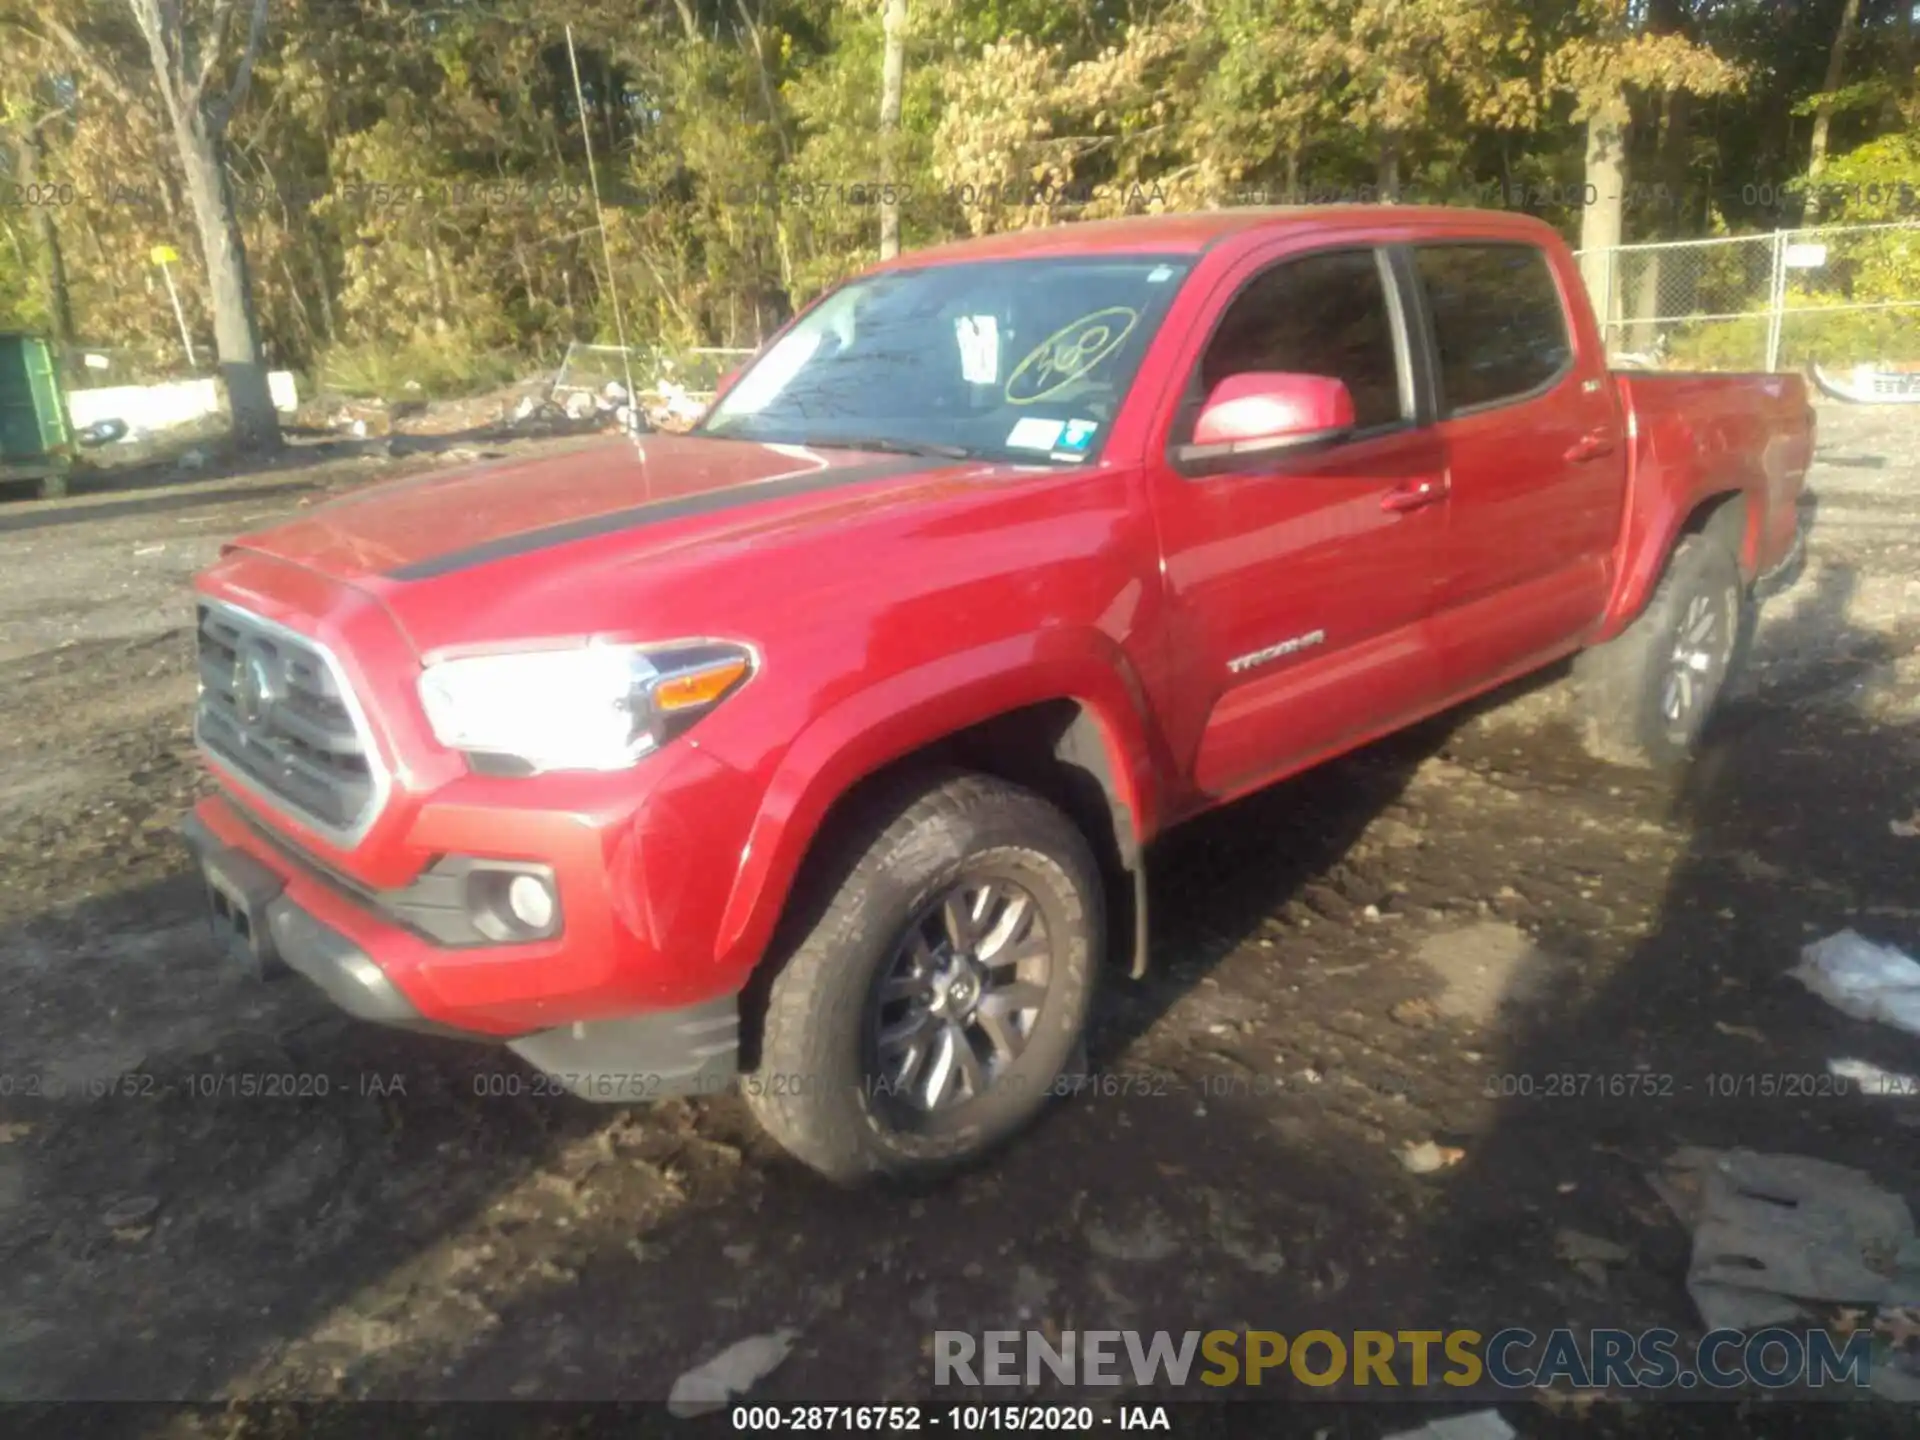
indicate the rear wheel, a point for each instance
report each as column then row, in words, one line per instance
column 930, row 1012
column 1649, row 692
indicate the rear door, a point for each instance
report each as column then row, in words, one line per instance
column 1300, row 587
column 1536, row 457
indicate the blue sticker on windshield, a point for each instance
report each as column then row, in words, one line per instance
column 1079, row 434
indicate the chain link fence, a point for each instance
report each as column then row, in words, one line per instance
column 1838, row 295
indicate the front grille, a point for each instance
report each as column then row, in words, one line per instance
column 272, row 710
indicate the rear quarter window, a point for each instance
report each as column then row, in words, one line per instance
column 1499, row 327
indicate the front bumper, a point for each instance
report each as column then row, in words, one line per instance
column 278, row 916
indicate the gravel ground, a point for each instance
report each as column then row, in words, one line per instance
column 1346, row 965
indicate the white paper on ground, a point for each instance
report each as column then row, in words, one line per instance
column 1872, row 1080
column 734, row 1371
column 1862, row 979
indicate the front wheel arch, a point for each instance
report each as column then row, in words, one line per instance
column 1056, row 713
column 809, row 1080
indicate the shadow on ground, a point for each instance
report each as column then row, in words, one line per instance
column 456, row 1243
column 1713, row 1045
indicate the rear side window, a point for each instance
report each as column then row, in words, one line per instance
column 1497, row 321
column 1322, row 314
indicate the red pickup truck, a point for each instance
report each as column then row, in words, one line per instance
column 819, row 747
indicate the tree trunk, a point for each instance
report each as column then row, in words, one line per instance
column 436, row 292
column 609, row 105
column 317, row 258
column 1600, row 223
column 893, row 74
column 1390, row 171
column 236, row 333
column 33, row 154
column 1823, row 116
column 1663, row 290
column 1903, row 52
column 1893, row 115
column 766, row 82
column 182, row 70
column 299, row 310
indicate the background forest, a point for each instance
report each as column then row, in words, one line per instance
column 371, row 189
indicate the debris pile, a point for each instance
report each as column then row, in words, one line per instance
column 1783, row 1238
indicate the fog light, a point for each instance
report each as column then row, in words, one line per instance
column 530, row 901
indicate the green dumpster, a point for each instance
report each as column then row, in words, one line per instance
column 36, row 437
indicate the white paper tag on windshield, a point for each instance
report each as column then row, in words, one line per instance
column 1033, row 433
column 764, row 382
column 979, row 337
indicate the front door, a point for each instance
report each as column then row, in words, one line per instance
column 1300, row 587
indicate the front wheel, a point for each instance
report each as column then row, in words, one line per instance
column 1648, row 693
column 932, row 1010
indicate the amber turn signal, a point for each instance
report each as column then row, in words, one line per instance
column 691, row 689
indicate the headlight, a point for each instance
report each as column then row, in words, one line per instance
column 592, row 707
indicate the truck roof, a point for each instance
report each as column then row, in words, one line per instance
column 1190, row 233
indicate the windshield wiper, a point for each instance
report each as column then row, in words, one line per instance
column 890, row 447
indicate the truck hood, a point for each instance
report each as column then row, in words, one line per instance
column 436, row 525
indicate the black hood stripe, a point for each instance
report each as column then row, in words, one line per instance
column 658, row 512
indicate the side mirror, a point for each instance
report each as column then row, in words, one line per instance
column 1268, row 413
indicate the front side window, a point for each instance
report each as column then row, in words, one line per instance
column 1498, row 323
column 1319, row 315
column 1006, row 359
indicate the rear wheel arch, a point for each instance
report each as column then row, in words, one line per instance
column 1702, row 580
column 1649, row 552
column 1726, row 518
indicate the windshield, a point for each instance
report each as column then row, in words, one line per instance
column 1006, row 360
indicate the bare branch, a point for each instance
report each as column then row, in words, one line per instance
column 766, row 83
column 158, row 29
column 213, row 41
column 256, row 26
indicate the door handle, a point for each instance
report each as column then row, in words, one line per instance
column 1418, row 493
column 1591, row 446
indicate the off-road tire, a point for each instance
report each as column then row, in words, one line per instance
column 1622, row 683
column 53, row 486
column 813, row 1088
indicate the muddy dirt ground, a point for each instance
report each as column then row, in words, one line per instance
column 1346, row 965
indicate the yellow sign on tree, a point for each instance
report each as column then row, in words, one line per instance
column 163, row 254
